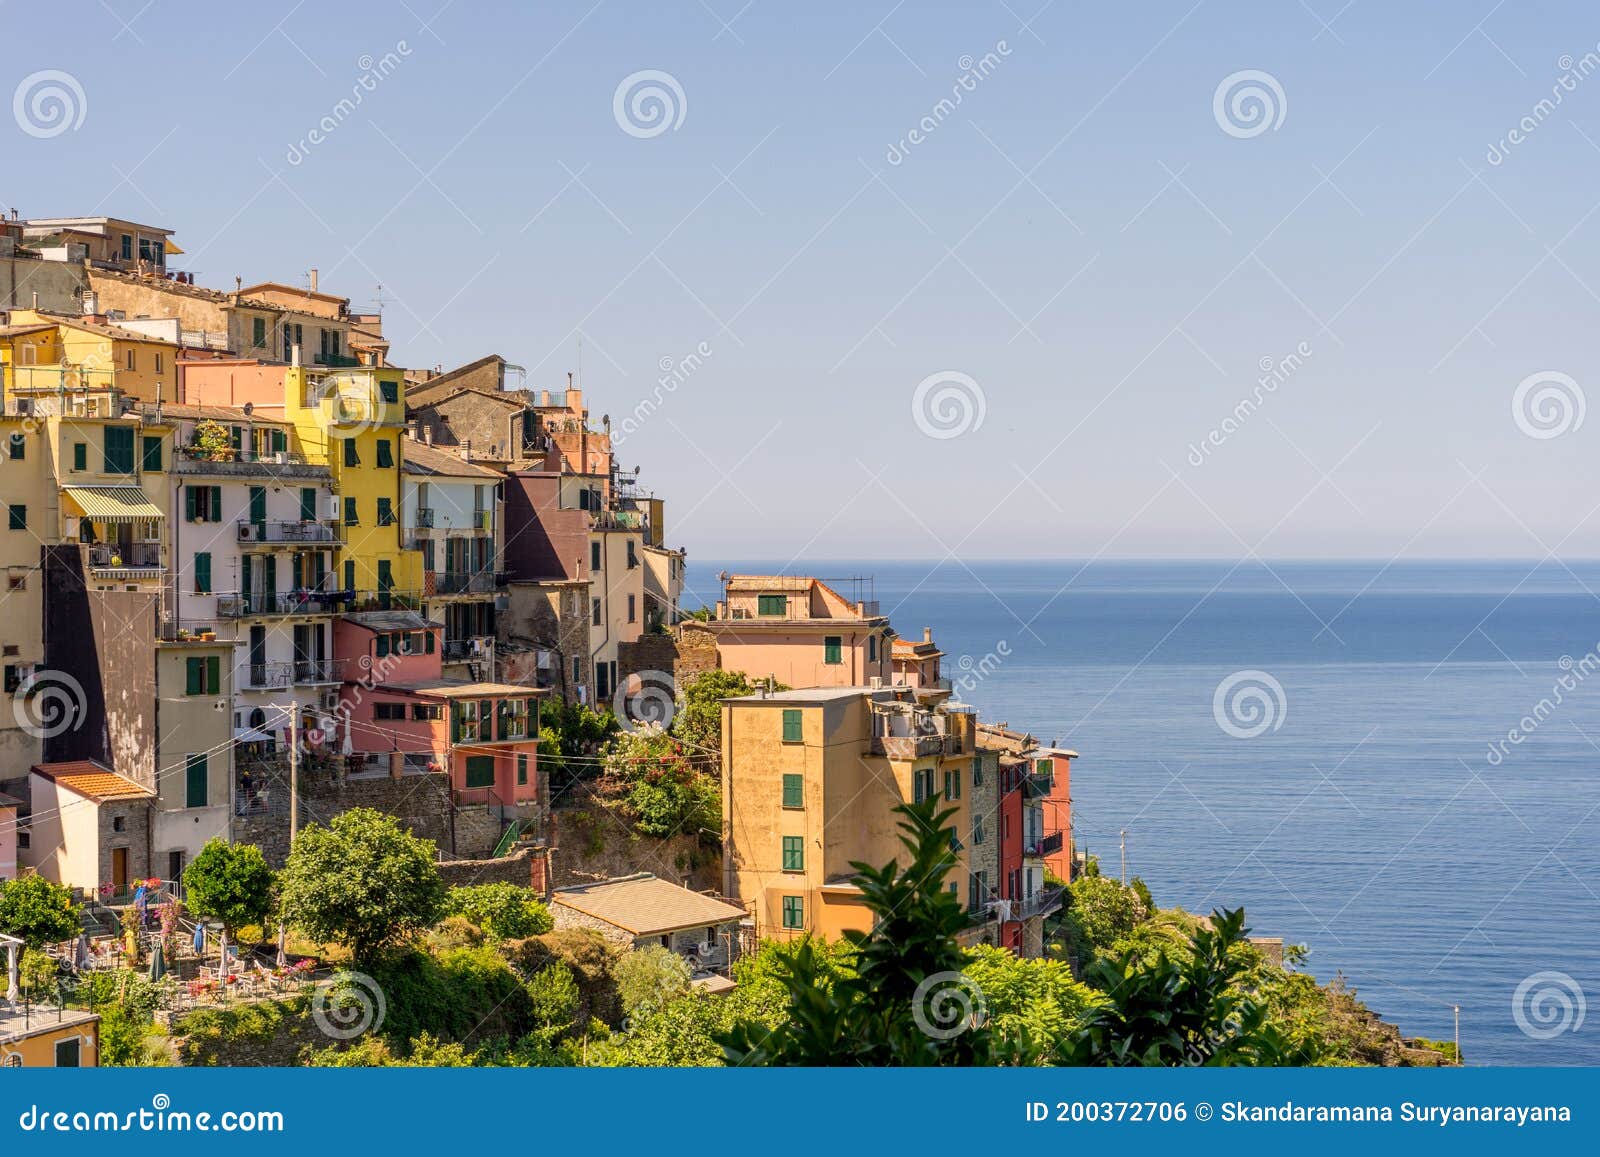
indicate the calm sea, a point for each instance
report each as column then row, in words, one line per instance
column 1380, row 816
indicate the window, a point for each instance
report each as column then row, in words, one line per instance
column 388, row 710
column 977, row 772
column 389, row 391
column 13, row 679
column 197, row 788
column 351, row 456
column 158, row 361
column 69, row 1050
column 202, row 675
column 351, row 517
column 522, row 770
column 633, row 555
column 152, row 454
column 119, row 823
column 772, row 605
column 426, row 711
column 480, row 771
column 633, row 609
column 832, row 649
column 465, row 715
column 977, row 829
column 952, row 784
column 921, row 784
column 794, row 790
column 385, row 453
column 19, row 516
column 119, row 449
column 202, row 503
column 258, row 332
column 595, row 613
column 385, row 507
column 202, row 572
column 308, row 504
column 127, row 246
column 594, row 556
column 383, row 647
column 80, row 456
column 872, row 648
column 794, row 854
column 791, row 725
column 133, row 363
column 349, row 574
column 18, row 448
column 794, row 912
column 427, row 642
column 16, row 582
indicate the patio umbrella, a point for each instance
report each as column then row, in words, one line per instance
column 158, row 962
column 283, row 955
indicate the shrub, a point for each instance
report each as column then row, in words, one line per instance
column 37, row 911
column 648, row 978
column 503, row 911
column 466, row 995
column 230, row 883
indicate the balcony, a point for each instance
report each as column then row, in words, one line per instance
column 283, row 465
column 1037, row 784
column 424, row 518
column 247, row 606
column 462, row 650
column 268, row 676
column 335, row 361
column 135, row 561
column 288, row 533
column 465, row 583
column 1041, row 903
column 390, row 600
column 907, row 746
column 1046, row 846
column 312, row 672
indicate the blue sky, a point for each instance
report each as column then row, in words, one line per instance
column 1081, row 237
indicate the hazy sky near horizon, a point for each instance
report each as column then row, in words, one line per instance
column 1094, row 248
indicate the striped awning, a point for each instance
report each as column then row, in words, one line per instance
column 112, row 503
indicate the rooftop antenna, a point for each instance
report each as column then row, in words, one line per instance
column 377, row 297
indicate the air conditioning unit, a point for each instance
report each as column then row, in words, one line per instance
column 281, row 457
column 333, row 506
column 25, row 406
column 330, row 701
column 249, row 532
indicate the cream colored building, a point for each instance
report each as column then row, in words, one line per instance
column 194, row 751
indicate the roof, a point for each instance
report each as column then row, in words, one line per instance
column 10, row 800
column 19, row 330
column 89, row 779
column 741, row 583
column 294, row 290
column 421, row 458
column 390, row 621
column 435, row 387
column 214, row 413
column 112, row 503
column 461, row 688
column 645, row 905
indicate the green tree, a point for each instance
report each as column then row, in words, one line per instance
column 1098, row 911
column 650, row 977
column 906, row 999
column 555, row 996
column 698, row 719
column 504, row 911
column 37, row 911
column 667, row 793
column 230, row 883
column 1196, row 1010
column 361, row 880
column 570, row 739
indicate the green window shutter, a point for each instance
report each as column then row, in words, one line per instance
column 772, row 604
column 258, row 504
column 389, row 391
column 191, row 501
column 280, row 442
column 385, row 512
column 385, row 453
column 214, row 514
column 202, row 573
column 308, row 504
column 794, row 790
column 522, row 770
column 19, row 516
column 213, row 675
column 791, row 725
column 427, row 642
column 794, row 854
column 351, row 518
column 194, row 676
column 152, row 454
column 349, row 574
column 197, row 791
column 258, row 331
column 297, row 573
column 455, row 723
column 80, row 455
column 18, row 447
column 351, row 458
column 832, row 649
column 794, row 912
column 383, row 646
column 119, row 449
column 977, row 772
column 480, row 771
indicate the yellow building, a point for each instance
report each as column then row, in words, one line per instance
column 810, row 781
column 47, row 1038
column 43, row 354
column 27, row 496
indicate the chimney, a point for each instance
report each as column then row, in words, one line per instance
column 36, row 299
column 466, row 450
column 313, row 281
column 91, row 303
column 294, row 354
column 927, row 634
column 427, row 435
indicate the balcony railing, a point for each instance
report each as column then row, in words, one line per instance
column 460, row 650
column 1041, row 903
column 475, row 583
column 138, row 556
column 243, row 606
column 338, row 361
column 312, row 671
column 907, row 746
column 1050, row 845
column 424, row 518
column 390, row 600
column 284, row 531
column 269, row 676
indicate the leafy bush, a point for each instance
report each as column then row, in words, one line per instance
column 1099, row 910
column 667, row 795
column 587, row 954
column 230, row 883
column 504, row 911
column 648, row 978
column 698, row 719
column 37, row 911
column 466, row 995
column 127, row 1003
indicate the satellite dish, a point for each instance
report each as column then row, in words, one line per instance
column 249, row 408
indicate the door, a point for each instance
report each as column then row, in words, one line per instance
column 175, row 866
column 385, row 583
column 119, row 870
column 258, row 656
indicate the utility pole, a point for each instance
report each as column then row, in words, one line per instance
column 1122, row 842
column 294, row 812
column 1457, row 1008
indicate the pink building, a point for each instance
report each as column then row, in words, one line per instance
column 798, row 630
column 398, row 705
column 8, row 836
column 916, row 664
